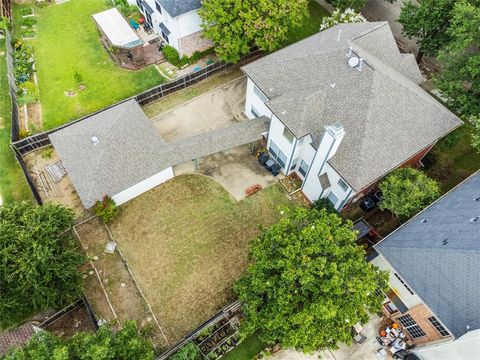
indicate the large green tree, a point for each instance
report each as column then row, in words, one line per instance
column 235, row 26
column 39, row 260
column 105, row 344
column 308, row 282
column 406, row 191
column 428, row 22
column 459, row 79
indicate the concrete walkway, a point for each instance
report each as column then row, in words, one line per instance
column 381, row 10
column 365, row 351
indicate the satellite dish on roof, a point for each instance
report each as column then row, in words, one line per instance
column 353, row 62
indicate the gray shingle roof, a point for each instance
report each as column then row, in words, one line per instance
column 440, row 259
column 130, row 149
column 387, row 117
column 179, row 7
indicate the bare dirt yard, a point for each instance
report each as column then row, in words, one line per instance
column 108, row 284
column 186, row 242
column 215, row 109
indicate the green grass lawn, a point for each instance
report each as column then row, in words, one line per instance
column 453, row 159
column 13, row 185
column 246, row 350
column 68, row 42
column 310, row 26
column 187, row 243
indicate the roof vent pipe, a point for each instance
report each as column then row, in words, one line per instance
column 339, row 35
column 95, row 140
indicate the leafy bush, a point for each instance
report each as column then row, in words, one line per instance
column 28, row 92
column 172, row 55
column 104, row 344
column 187, row 352
column 29, row 22
column 23, row 62
column 26, row 11
column 324, row 204
column 341, row 17
column 28, row 34
column 39, row 268
column 106, row 209
column 406, row 191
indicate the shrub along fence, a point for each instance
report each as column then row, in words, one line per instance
column 15, row 132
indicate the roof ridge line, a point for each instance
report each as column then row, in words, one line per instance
column 378, row 26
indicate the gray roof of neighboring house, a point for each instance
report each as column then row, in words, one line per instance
column 387, row 117
column 179, row 7
column 440, row 259
column 130, row 149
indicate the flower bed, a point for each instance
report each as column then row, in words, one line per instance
column 28, row 22
column 28, row 34
column 291, row 183
column 24, row 69
column 26, row 12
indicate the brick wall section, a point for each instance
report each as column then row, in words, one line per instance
column 414, row 161
column 194, row 42
column 16, row 337
column 420, row 314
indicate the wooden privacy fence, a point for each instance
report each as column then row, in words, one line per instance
column 41, row 140
column 183, row 82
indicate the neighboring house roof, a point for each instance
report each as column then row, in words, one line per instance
column 180, row 7
column 116, row 29
column 16, row 337
column 387, row 117
column 439, row 258
column 117, row 148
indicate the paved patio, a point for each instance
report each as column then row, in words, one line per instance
column 365, row 351
column 215, row 109
column 235, row 169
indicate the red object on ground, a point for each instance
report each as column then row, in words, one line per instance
column 141, row 20
column 253, row 189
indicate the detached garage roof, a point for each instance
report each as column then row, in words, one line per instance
column 109, row 151
column 116, row 29
column 119, row 147
column 437, row 253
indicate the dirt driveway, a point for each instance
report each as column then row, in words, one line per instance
column 215, row 109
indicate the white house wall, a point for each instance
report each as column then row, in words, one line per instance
column 180, row 26
column 188, row 23
column 252, row 99
column 303, row 151
column 407, row 298
column 312, row 187
column 275, row 134
column 143, row 186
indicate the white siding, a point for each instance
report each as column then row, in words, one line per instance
column 180, row 26
column 189, row 23
column 303, row 151
column 276, row 135
column 251, row 99
column 143, row 186
column 407, row 298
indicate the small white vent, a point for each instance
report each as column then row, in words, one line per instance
column 353, row 62
column 95, row 140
